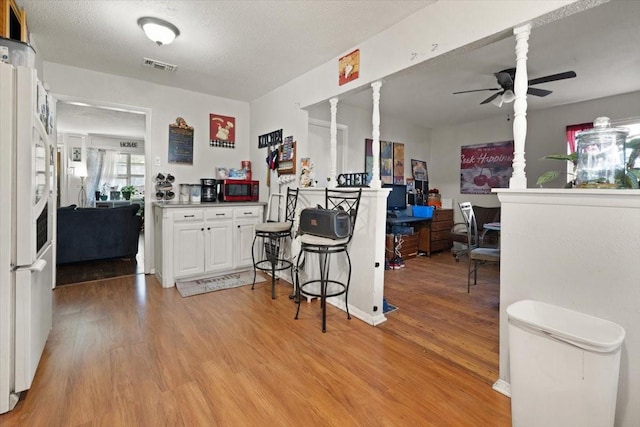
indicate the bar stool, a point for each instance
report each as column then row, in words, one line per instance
column 273, row 234
column 349, row 201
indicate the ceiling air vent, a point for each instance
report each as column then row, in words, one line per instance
column 158, row 65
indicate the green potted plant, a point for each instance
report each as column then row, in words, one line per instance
column 551, row 175
column 127, row 191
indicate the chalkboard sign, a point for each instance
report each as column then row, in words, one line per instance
column 180, row 142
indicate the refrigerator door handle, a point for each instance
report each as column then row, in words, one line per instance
column 37, row 266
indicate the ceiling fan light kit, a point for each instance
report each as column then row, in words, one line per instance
column 505, row 79
column 159, row 31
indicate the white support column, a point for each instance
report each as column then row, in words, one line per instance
column 333, row 151
column 375, row 146
column 520, row 85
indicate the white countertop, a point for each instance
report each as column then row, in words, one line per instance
column 177, row 204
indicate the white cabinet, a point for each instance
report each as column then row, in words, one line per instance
column 244, row 227
column 196, row 241
column 218, row 240
column 188, row 242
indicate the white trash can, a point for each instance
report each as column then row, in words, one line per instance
column 564, row 366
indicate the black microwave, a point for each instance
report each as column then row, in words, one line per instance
column 236, row 190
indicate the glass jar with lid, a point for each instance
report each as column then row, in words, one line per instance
column 601, row 160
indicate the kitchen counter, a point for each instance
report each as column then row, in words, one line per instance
column 176, row 204
column 197, row 240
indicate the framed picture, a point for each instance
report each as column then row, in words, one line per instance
column 180, row 142
column 398, row 163
column 349, row 67
column 76, row 154
column 485, row 166
column 222, row 131
column 419, row 170
column 386, row 160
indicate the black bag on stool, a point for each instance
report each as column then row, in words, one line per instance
column 329, row 223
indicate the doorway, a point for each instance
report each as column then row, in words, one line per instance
column 84, row 125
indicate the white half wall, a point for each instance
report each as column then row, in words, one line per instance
column 576, row 249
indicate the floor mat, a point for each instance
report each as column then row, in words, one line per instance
column 188, row 288
column 387, row 308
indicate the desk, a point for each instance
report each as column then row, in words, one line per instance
column 410, row 242
column 433, row 233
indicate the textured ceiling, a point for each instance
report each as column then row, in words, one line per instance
column 602, row 45
column 234, row 49
column 243, row 49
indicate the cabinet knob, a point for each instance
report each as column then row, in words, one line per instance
column 208, row 228
column 202, row 229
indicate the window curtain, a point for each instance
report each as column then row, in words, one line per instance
column 100, row 172
column 571, row 135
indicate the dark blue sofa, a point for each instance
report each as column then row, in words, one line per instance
column 86, row 234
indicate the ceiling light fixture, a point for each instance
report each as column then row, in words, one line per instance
column 507, row 97
column 159, row 31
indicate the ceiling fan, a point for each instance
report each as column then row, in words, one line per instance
column 505, row 80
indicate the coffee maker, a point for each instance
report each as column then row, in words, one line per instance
column 208, row 190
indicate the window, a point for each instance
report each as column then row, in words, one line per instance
column 130, row 170
column 634, row 131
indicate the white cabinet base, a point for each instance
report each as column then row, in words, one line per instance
column 194, row 241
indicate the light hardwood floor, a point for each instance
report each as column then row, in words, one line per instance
column 125, row 352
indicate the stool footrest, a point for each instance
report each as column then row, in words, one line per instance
column 342, row 288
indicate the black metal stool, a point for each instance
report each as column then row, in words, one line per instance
column 273, row 234
column 348, row 201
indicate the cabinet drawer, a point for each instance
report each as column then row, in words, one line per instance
column 439, row 235
column 440, row 245
column 188, row 215
column 441, row 226
column 213, row 214
column 443, row 215
column 248, row 212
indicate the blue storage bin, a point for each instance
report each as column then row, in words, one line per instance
column 423, row 211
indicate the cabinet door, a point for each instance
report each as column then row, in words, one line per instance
column 188, row 249
column 218, row 244
column 243, row 239
column 245, row 219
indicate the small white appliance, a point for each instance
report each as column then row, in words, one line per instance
column 27, row 228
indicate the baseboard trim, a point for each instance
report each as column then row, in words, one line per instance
column 502, row 387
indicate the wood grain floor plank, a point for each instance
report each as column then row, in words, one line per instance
column 125, row 352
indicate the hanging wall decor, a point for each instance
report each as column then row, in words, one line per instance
column 419, row 170
column 398, row 163
column 270, row 139
column 485, row 166
column 386, row 160
column 222, row 131
column 180, row 142
column 349, row 67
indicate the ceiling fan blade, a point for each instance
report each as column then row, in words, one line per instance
column 538, row 92
column 475, row 90
column 553, row 78
column 491, row 98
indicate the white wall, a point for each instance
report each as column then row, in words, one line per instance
column 545, row 135
column 163, row 105
column 416, row 139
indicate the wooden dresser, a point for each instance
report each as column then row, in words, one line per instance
column 434, row 235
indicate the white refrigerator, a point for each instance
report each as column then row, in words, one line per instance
column 27, row 228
